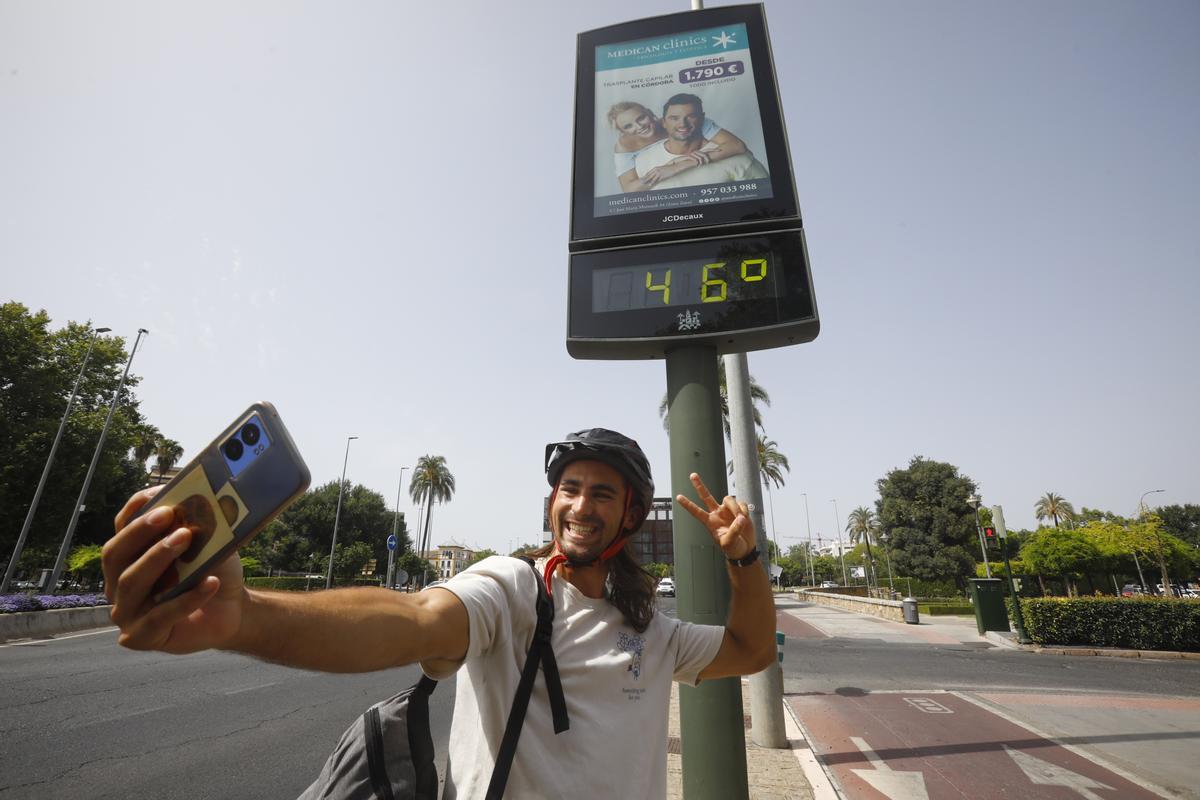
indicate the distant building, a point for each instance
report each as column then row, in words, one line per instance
column 652, row 544
column 449, row 559
column 154, row 479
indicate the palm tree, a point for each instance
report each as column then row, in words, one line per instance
column 1053, row 506
column 147, row 440
column 757, row 393
column 431, row 483
column 770, row 462
column 862, row 524
column 167, row 453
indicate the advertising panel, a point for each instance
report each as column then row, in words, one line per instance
column 678, row 126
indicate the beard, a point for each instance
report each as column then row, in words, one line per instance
column 582, row 548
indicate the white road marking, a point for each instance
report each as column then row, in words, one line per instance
column 822, row 786
column 887, row 781
column 993, row 708
column 58, row 638
column 249, row 688
column 927, row 705
column 1043, row 773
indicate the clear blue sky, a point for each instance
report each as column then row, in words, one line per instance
column 359, row 212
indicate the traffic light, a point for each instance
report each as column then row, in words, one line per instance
column 989, row 536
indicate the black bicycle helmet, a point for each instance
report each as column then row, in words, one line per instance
column 600, row 444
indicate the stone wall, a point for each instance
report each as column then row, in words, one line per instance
column 886, row 609
column 31, row 624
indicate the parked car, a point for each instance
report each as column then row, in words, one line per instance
column 1132, row 590
column 666, row 588
column 828, row 585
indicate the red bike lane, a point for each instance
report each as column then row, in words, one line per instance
column 912, row 745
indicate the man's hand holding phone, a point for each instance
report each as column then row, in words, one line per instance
column 142, row 552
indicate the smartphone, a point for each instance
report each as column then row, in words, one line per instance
column 229, row 492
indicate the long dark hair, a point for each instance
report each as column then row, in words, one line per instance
column 630, row 588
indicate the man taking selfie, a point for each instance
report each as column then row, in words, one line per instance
column 616, row 656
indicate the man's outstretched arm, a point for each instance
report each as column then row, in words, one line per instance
column 346, row 630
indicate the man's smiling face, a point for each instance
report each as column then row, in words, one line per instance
column 588, row 510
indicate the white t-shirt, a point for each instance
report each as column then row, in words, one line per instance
column 617, row 685
column 742, row 167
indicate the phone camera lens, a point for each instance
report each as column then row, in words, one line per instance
column 250, row 434
column 233, row 449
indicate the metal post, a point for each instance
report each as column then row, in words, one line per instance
column 37, row 495
column 973, row 501
column 395, row 532
column 87, row 481
column 710, row 715
column 837, row 519
column 811, row 553
column 1018, row 617
column 887, row 555
column 766, row 687
column 337, row 515
column 1143, row 510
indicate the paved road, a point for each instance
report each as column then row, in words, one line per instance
column 905, row 711
column 82, row 717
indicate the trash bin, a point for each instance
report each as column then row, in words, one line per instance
column 987, row 594
column 911, row 615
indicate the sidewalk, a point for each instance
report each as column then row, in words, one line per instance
column 773, row 774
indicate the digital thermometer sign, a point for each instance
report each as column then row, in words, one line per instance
column 736, row 293
column 685, row 228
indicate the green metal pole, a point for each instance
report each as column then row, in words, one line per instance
column 1018, row 617
column 710, row 715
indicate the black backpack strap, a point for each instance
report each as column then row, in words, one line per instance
column 539, row 652
column 373, row 732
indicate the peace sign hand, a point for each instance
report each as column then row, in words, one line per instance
column 727, row 521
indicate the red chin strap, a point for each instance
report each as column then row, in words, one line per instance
column 558, row 557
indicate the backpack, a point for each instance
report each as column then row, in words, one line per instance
column 388, row 752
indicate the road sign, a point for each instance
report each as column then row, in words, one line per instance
column 685, row 228
column 392, row 542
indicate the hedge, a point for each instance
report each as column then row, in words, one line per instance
column 16, row 603
column 1138, row 623
column 294, row 584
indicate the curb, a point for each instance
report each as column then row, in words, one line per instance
column 34, row 624
column 1104, row 652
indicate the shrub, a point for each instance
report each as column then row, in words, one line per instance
column 1139, row 623
column 13, row 603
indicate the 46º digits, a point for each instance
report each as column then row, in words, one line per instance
column 714, row 280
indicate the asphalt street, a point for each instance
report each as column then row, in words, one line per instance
column 82, row 717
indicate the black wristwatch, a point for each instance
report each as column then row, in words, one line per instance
column 745, row 560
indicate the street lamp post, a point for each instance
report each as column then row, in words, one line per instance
column 808, row 525
column 1162, row 563
column 841, row 547
column 973, row 501
column 883, row 537
column 87, row 481
column 395, row 532
column 37, row 495
column 337, row 515
column 774, row 537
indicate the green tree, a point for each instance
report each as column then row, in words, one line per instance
column 38, row 367
column 771, row 463
column 757, row 395
column 84, row 563
column 1182, row 522
column 415, row 566
column 167, row 453
column 659, row 571
column 1058, row 551
column 145, row 443
column 432, row 482
column 298, row 539
column 923, row 510
column 480, row 555
column 862, row 526
column 1052, row 506
column 349, row 559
